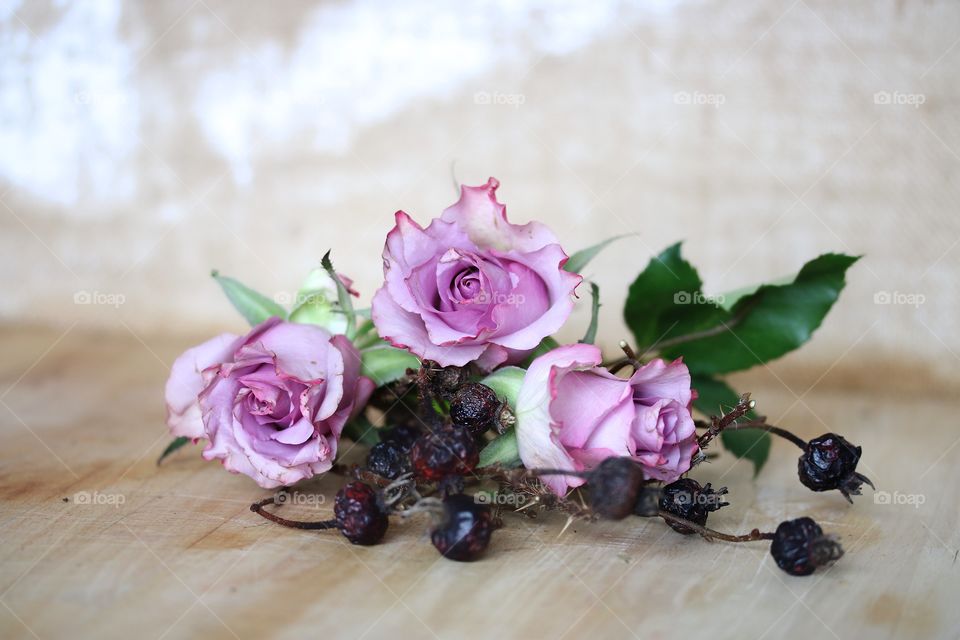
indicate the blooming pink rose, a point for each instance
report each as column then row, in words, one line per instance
column 572, row 414
column 272, row 403
column 472, row 286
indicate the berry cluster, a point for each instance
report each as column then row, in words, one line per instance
column 441, row 453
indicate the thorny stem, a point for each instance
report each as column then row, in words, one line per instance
column 710, row 534
column 763, row 426
column 631, row 359
column 743, row 406
column 258, row 508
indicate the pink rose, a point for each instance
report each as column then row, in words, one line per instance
column 472, row 286
column 572, row 414
column 272, row 403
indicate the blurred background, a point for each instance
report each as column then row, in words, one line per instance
column 144, row 143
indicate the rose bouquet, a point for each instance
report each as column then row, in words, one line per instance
column 467, row 404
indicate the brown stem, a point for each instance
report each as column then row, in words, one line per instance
column 761, row 424
column 710, row 534
column 743, row 407
column 258, row 508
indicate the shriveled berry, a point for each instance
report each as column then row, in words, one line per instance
column 830, row 462
column 464, row 530
column 475, row 406
column 686, row 499
column 799, row 547
column 613, row 487
column 389, row 459
column 442, row 381
column 449, row 450
column 359, row 516
column 403, row 434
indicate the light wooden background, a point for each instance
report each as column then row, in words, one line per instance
column 183, row 557
column 144, row 143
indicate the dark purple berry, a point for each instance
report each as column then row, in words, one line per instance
column 447, row 451
column 686, row 499
column 613, row 487
column 403, row 434
column 465, row 529
column 359, row 516
column 442, row 382
column 475, row 406
column 388, row 459
column 799, row 547
column 830, row 462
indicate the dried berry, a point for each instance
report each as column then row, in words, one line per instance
column 449, row 450
column 830, row 462
column 359, row 516
column 403, row 434
column 464, row 530
column 389, row 459
column 799, row 547
column 686, row 499
column 613, row 487
column 475, row 406
column 441, row 382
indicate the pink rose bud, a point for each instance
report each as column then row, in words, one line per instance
column 572, row 414
column 272, row 403
column 472, row 286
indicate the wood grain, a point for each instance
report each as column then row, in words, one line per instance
column 174, row 552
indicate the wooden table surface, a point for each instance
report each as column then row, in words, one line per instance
column 100, row 542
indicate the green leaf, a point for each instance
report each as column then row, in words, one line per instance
column 547, row 344
column 506, row 382
column 343, row 296
column 714, row 398
column 361, row 431
column 770, row 322
column 665, row 301
column 580, row 259
column 173, row 446
column 387, row 364
column 502, row 450
column 253, row 306
column 591, row 335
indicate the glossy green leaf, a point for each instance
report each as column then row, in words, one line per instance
column 665, row 301
column 580, row 259
column 768, row 323
column 253, row 306
column 173, row 446
column 716, row 397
